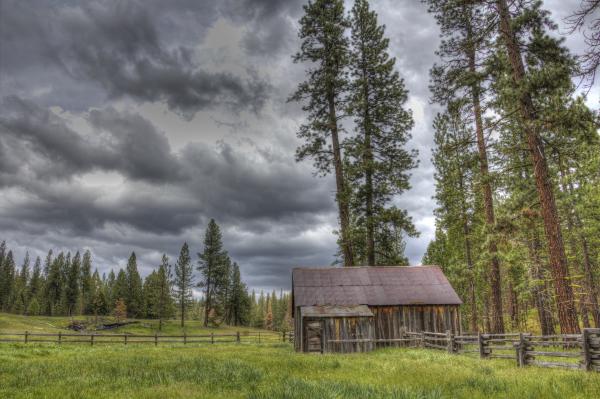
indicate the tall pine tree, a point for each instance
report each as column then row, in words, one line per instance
column 184, row 281
column 325, row 47
column 379, row 167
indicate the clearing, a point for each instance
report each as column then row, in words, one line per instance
column 246, row 370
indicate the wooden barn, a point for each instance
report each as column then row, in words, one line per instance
column 363, row 304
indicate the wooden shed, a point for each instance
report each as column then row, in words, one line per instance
column 368, row 305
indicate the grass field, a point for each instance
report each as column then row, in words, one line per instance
column 270, row 371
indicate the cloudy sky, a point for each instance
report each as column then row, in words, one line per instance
column 127, row 125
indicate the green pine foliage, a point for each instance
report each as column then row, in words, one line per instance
column 378, row 162
column 184, row 281
column 536, row 289
column 134, row 299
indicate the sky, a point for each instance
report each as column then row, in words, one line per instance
column 127, row 125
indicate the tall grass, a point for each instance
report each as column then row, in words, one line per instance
column 271, row 371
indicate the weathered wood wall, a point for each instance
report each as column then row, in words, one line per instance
column 348, row 328
column 387, row 323
column 389, row 320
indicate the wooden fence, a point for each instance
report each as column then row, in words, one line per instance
column 575, row 351
column 572, row 351
column 125, row 339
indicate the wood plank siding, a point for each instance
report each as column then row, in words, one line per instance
column 387, row 323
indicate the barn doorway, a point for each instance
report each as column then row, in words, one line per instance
column 313, row 333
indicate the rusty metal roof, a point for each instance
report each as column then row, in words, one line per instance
column 336, row 311
column 391, row 285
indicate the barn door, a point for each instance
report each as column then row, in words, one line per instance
column 313, row 333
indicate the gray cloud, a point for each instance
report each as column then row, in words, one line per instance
column 117, row 46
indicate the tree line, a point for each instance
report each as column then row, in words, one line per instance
column 65, row 285
column 517, row 168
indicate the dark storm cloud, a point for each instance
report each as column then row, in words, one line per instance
column 117, row 45
column 269, row 24
column 167, row 191
column 123, row 142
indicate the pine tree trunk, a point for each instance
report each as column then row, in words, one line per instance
column 567, row 313
column 514, row 307
column 568, row 211
column 488, row 319
column 486, row 187
column 590, row 284
column 207, row 301
column 539, row 290
column 467, row 234
column 341, row 194
column 368, row 165
column 495, row 279
column 182, row 309
column 472, row 302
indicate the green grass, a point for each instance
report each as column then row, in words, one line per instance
column 47, row 324
column 271, row 371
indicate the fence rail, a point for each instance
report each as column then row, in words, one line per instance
column 125, row 339
column 575, row 351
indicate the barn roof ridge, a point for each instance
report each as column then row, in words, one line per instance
column 363, row 267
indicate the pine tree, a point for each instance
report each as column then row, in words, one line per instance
column 98, row 297
column 379, row 165
column 54, row 285
column 454, row 158
column 239, row 302
column 161, row 292
column 7, row 281
column 36, row 281
column 72, row 284
column 325, row 47
column 86, row 283
column 464, row 29
column 120, row 290
column 524, row 84
column 184, row 281
column 134, row 296
column 33, row 309
column 47, row 263
column 268, row 320
column 212, row 266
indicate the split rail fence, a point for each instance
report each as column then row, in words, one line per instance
column 571, row 351
column 125, row 339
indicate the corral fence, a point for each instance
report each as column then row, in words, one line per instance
column 156, row 339
column 571, row 351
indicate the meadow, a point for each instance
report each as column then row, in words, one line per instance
column 272, row 370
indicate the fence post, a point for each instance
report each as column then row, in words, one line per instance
column 26, row 336
column 92, row 339
column 155, row 339
column 283, row 336
column 184, row 338
column 483, row 345
column 237, row 337
column 259, row 337
column 450, row 339
column 422, row 343
column 522, row 347
column 212, row 338
column 401, row 335
column 585, row 344
column 59, row 337
column 125, row 336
